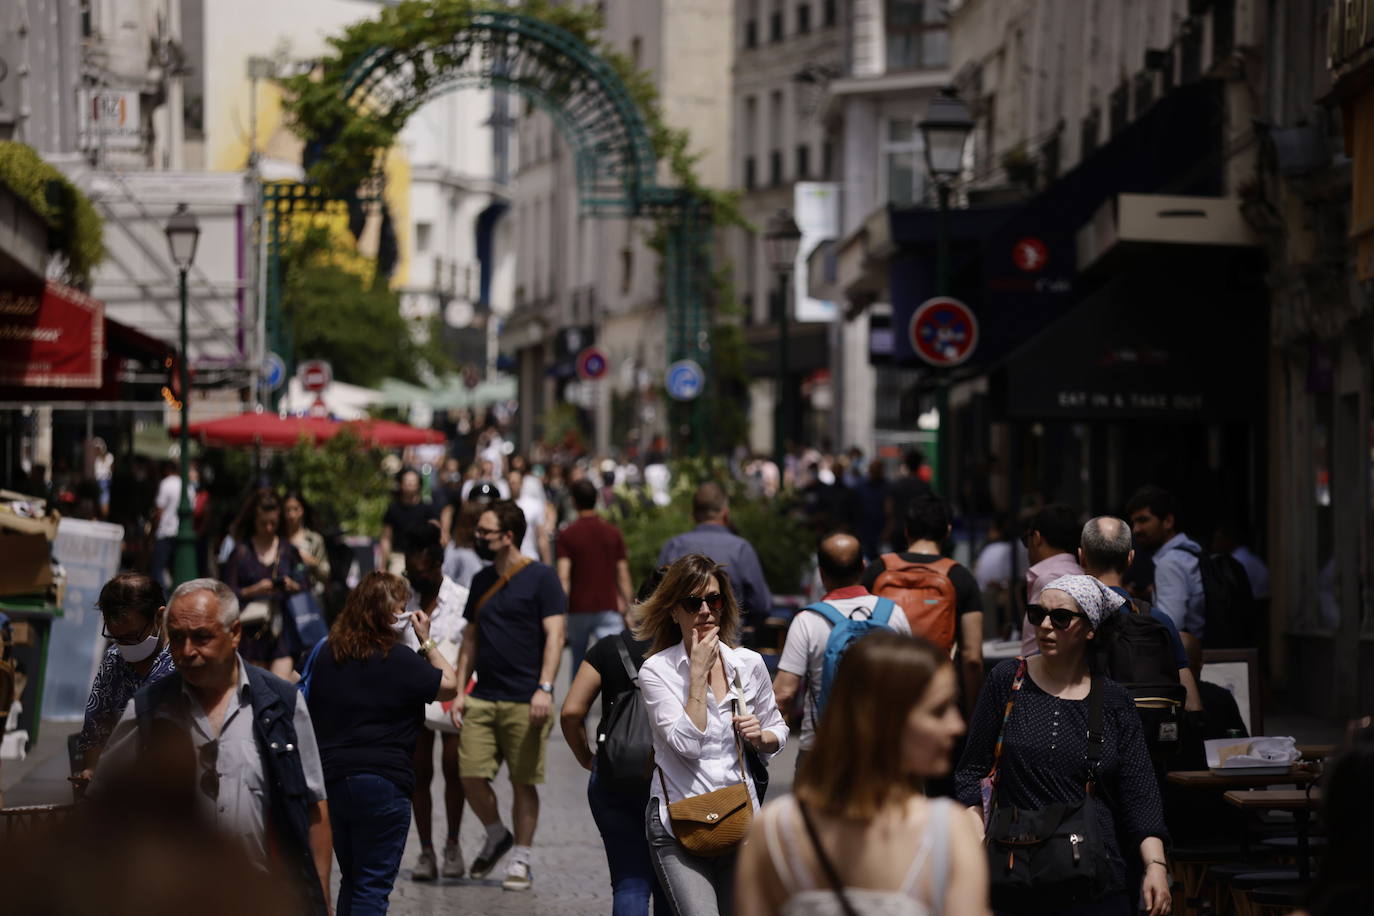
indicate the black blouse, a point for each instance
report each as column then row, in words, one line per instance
column 1045, row 758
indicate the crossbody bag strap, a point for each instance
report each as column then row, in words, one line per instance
column 827, row 866
column 1016, row 683
column 740, row 704
column 1096, row 736
column 630, row 670
column 500, row 584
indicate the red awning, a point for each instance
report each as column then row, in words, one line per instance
column 272, row 431
column 52, row 340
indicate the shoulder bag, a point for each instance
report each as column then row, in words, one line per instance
column 1054, row 858
column 625, row 747
column 758, row 766
column 714, row 823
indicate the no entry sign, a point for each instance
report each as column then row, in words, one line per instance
column 591, row 364
column 943, row 332
column 315, row 375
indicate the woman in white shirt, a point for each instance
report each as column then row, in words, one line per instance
column 859, row 835
column 704, row 697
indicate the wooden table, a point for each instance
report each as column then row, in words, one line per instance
column 1318, row 751
column 1301, row 803
column 1239, row 779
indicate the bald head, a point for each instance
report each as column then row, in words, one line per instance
column 841, row 561
column 1105, row 546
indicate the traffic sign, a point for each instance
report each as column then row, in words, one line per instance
column 273, row 371
column 315, row 375
column 943, row 332
column 1030, row 254
column 591, row 364
column 685, row 379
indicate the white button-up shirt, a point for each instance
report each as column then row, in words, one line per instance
column 448, row 622
column 692, row 761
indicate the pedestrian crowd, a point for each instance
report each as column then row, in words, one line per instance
column 925, row 783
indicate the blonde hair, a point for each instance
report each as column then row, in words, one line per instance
column 685, row 577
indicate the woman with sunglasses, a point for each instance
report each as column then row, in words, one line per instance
column 1044, row 744
column 131, row 608
column 705, row 697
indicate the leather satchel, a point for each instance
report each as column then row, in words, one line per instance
column 714, row 823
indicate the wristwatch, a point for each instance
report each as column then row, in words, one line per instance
column 547, row 687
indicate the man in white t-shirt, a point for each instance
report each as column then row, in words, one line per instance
column 165, row 522
column 841, row 562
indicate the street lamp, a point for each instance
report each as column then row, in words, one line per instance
column 781, row 241
column 183, row 234
column 945, row 131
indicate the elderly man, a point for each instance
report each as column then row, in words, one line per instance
column 713, row 537
column 256, row 761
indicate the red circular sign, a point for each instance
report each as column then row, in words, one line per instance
column 315, row 375
column 591, row 364
column 943, row 332
column 1030, row 254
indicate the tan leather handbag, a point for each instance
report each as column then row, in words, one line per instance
column 714, row 823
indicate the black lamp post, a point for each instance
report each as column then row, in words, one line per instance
column 782, row 239
column 183, row 234
column 945, row 131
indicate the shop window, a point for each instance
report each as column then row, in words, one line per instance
column 902, row 167
column 916, row 36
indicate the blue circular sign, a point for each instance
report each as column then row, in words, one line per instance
column 685, row 380
column 273, row 371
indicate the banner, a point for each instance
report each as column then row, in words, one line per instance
column 56, row 340
column 89, row 553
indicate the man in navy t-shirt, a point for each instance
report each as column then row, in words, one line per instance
column 513, row 642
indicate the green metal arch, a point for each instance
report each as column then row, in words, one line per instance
column 553, row 69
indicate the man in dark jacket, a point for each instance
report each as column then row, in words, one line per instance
column 256, row 761
column 713, row 538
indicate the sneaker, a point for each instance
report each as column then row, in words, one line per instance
column 518, row 877
column 453, row 861
column 491, row 854
column 425, row 867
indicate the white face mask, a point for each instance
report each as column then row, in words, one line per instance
column 139, row 651
column 401, row 621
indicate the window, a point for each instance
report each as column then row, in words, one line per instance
column 804, row 19
column 749, row 131
column 750, row 174
column 803, row 162
column 751, row 34
column 637, row 51
column 775, row 30
column 775, row 167
column 828, row 160
column 423, row 231
column 902, row 163
column 829, row 15
column 916, row 37
column 1088, row 140
column 775, row 137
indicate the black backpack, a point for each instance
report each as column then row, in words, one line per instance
column 1229, row 606
column 1141, row 659
column 624, row 744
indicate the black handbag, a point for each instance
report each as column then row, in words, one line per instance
column 1054, row 858
column 625, row 747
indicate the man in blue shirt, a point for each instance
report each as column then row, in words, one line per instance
column 1178, row 580
column 1105, row 552
column 711, row 510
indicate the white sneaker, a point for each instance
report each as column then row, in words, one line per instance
column 425, row 868
column 453, row 861
column 518, row 877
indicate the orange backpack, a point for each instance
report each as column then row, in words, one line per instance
column 925, row 594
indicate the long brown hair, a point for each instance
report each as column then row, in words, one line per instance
column 854, row 769
column 364, row 625
column 685, row 577
column 247, row 522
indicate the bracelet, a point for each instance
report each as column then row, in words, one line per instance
column 1159, row 862
column 428, row 644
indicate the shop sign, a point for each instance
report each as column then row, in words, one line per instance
column 53, row 340
column 109, row 119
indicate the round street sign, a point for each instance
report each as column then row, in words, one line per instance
column 591, row 364
column 315, row 375
column 1030, row 254
column 685, row 379
column 943, row 332
column 273, row 371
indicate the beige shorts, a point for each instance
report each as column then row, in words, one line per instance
column 494, row 732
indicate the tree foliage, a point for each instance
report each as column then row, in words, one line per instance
column 76, row 229
column 342, row 480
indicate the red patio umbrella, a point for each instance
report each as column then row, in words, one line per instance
column 271, row 431
column 390, row 434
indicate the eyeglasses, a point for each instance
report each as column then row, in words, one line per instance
column 209, row 762
column 1060, row 618
column 126, row 640
column 487, row 532
column 692, row 603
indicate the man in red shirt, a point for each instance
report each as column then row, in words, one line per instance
column 595, row 574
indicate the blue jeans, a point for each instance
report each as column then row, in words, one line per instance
column 370, row 817
column 586, row 629
column 620, row 818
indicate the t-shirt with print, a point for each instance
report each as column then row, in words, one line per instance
column 593, row 547
column 968, row 597
column 604, row 657
column 510, row 630
column 368, row 713
column 803, row 654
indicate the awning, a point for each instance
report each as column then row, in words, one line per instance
column 271, row 431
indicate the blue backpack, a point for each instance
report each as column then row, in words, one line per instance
column 844, row 633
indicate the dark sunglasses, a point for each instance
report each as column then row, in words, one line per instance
column 1060, row 618
column 692, row 603
column 209, row 778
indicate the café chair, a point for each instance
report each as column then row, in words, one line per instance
column 1277, row 899
column 1244, row 884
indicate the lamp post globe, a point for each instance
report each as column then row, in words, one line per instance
column 183, row 236
column 782, row 241
column 945, row 130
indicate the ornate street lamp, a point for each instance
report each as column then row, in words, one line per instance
column 781, row 240
column 183, row 235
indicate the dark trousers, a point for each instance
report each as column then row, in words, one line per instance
column 620, row 818
column 162, row 559
column 370, row 817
